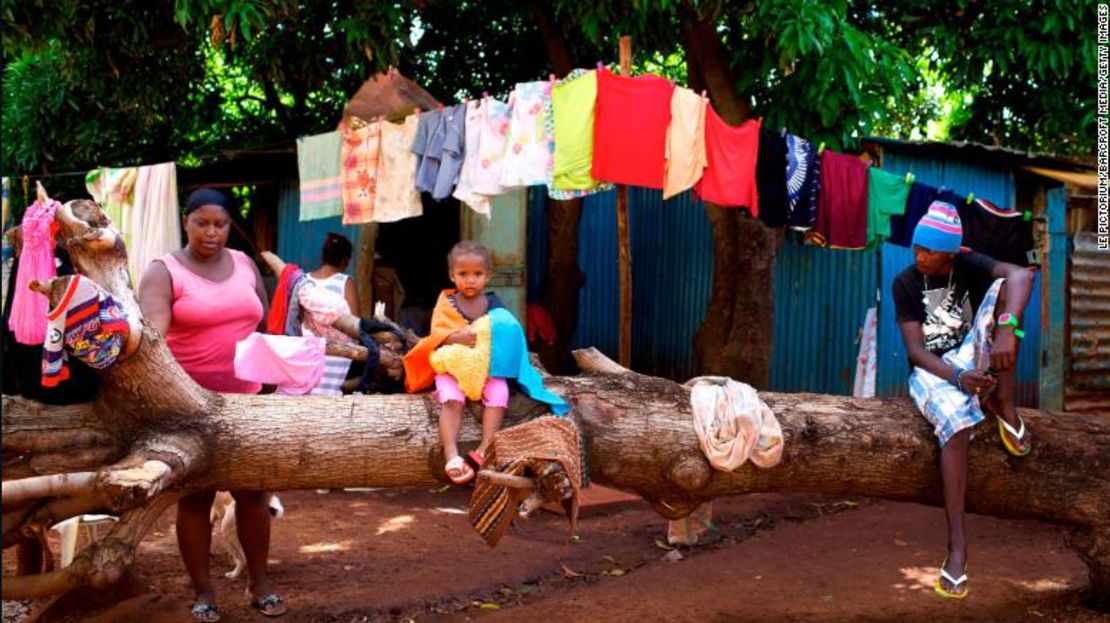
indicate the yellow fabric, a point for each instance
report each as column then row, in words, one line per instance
column 469, row 365
column 573, row 104
column 686, row 159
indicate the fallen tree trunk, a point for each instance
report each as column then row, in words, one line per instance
column 153, row 433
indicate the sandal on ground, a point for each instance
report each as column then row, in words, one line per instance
column 205, row 612
column 959, row 585
column 1018, row 435
column 270, row 606
column 478, row 457
column 458, row 471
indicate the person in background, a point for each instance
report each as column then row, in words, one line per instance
column 960, row 317
column 335, row 257
column 204, row 298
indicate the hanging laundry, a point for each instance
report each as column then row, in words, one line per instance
column 549, row 131
column 770, row 177
column 886, row 197
column 803, row 182
column 5, row 203
column 36, row 263
column 428, row 146
column 154, row 226
column 452, row 153
column 294, row 318
column 917, row 204
column 729, row 178
column 294, row 364
column 867, row 359
column 1004, row 235
column 528, row 157
column 397, row 197
column 685, row 152
column 491, row 146
column 630, row 129
column 320, row 170
column 573, row 101
column 87, row 322
column 468, row 175
column 113, row 190
column 842, row 206
column 360, row 152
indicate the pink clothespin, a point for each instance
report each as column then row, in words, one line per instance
column 600, row 65
column 551, row 78
column 485, row 95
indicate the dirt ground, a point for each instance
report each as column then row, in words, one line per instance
column 410, row 554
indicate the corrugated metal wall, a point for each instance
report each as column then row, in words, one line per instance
column 821, row 298
column 995, row 185
column 300, row 242
column 1088, row 387
column 672, row 272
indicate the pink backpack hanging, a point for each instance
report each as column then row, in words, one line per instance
column 36, row 262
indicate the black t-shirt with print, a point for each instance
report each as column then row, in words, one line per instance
column 947, row 306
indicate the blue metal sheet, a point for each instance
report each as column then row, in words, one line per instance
column 993, row 184
column 299, row 242
column 821, row 299
column 1054, row 303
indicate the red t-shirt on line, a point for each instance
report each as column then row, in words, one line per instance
column 630, row 129
column 732, row 152
column 842, row 205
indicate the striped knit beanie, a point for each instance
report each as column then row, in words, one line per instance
column 939, row 230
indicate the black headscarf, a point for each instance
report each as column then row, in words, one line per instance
column 207, row 196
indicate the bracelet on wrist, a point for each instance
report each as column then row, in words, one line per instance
column 956, row 381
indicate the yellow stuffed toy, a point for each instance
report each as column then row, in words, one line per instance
column 469, row 365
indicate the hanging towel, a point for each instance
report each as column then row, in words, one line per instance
column 686, row 159
column 549, row 131
column 397, row 197
column 154, row 226
column 491, row 147
column 630, row 129
column 842, row 206
column 732, row 152
column 36, row 263
column 428, row 146
column 770, row 177
column 733, row 424
column 468, row 175
column 509, row 360
column 529, row 448
column 294, row 364
column 917, row 204
column 279, row 309
column 866, row 364
column 886, row 197
column 113, row 190
column 468, row 364
column 318, row 163
column 803, row 182
column 452, row 152
column 360, row 151
column 88, row 323
column 1002, row 234
column 573, row 102
column 528, row 158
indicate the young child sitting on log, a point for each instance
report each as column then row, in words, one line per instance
column 475, row 344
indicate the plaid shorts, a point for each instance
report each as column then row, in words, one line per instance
column 947, row 408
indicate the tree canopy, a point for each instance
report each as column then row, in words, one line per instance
column 130, row 81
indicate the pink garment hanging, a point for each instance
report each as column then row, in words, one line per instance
column 36, row 263
column 294, row 364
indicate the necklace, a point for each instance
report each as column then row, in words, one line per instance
column 949, row 287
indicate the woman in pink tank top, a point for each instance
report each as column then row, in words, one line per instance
column 203, row 299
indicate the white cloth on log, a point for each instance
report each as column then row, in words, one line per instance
column 733, row 424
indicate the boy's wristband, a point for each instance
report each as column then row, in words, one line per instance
column 1009, row 320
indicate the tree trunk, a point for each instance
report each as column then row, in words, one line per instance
column 152, row 434
column 736, row 336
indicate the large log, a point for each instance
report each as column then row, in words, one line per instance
column 153, row 433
